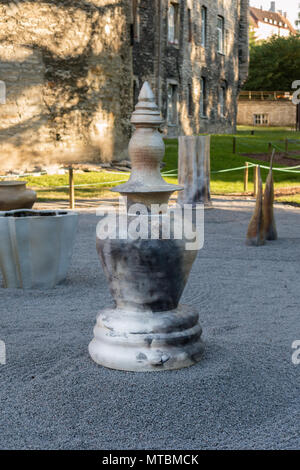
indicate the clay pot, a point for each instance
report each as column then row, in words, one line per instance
column 15, row 195
column 148, row 330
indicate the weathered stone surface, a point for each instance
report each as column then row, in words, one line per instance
column 256, row 233
column 67, row 67
column 194, row 170
column 270, row 230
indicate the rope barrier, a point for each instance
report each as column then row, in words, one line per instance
column 50, row 188
column 234, row 169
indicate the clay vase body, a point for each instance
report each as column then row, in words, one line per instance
column 15, row 195
column 148, row 329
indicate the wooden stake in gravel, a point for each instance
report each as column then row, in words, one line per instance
column 286, row 146
column 255, row 233
column 255, row 179
column 269, row 147
column 268, row 210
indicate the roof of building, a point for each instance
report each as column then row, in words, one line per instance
column 270, row 17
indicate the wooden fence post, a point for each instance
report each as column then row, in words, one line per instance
column 234, row 145
column 246, row 176
column 270, row 147
column 71, row 189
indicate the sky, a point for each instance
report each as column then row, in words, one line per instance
column 290, row 6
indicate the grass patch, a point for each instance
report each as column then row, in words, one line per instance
column 222, row 157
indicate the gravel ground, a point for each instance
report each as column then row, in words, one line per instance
column 243, row 394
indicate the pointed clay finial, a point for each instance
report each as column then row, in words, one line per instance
column 146, row 94
column 255, row 234
column 268, row 210
column 146, row 150
column 146, row 111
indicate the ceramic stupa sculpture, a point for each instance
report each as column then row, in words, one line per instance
column 148, row 330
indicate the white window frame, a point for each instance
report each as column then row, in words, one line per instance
column 260, row 119
column 136, row 85
column 222, row 99
column 172, row 119
column 203, row 97
column 136, row 20
column 173, row 28
column 220, row 34
column 203, row 26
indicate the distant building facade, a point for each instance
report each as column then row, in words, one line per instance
column 195, row 55
column 266, row 108
column 265, row 24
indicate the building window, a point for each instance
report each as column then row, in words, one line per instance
column 190, row 33
column 260, row 119
column 203, row 93
column 136, row 21
column 190, row 100
column 203, row 26
column 220, row 34
column 173, row 23
column 136, row 90
column 222, row 99
column 172, row 104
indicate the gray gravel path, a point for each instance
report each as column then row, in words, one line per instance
column 243, row 394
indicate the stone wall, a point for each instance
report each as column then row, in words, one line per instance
column 67, row 67
column 280, row 113
column 183, row 64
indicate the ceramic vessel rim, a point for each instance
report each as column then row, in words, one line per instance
column 58, row 213
column 12, row 183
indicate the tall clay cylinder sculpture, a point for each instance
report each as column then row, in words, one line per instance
column 194, row 170
column 148, row 330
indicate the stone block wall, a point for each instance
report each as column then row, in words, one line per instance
column 183, row 64
column 67, row 67
column 279, row 113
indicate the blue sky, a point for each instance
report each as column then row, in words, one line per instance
column 290, row 6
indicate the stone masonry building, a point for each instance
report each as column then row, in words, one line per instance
column 67, row 67
column 195, row 55
column 72, row 70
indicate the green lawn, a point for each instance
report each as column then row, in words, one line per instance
column 222, row 157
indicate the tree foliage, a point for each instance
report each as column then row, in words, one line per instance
column 274, row 64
